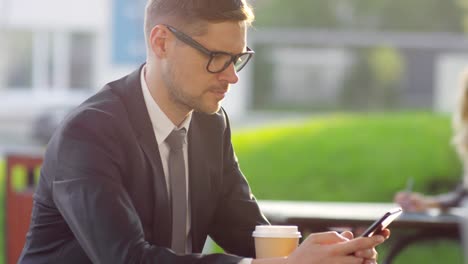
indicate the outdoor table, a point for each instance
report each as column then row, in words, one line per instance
column 407, row 229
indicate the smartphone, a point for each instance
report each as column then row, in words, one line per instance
column 382, row 222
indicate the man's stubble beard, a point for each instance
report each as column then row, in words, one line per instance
column 181, row 98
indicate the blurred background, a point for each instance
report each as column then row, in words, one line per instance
column 355, row 95
column 311, row 56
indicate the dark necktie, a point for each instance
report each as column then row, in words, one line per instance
column 178, row 186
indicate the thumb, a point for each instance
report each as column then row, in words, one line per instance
column 360, row 243
column 326, row 238
column 349, row 235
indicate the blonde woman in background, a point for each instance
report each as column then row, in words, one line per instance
column 417, row 202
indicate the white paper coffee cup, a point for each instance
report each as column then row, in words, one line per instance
column 275, row 240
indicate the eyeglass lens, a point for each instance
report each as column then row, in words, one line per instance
column 221, row 61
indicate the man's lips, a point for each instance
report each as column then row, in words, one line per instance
column 219, row 93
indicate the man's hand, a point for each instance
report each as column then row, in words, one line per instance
column 331, row 247
column 369, row 255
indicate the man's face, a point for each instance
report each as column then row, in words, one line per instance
column 190, row 85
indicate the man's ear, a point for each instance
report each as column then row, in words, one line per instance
column 158, row 40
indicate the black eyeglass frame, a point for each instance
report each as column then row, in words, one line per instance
column 212, row 54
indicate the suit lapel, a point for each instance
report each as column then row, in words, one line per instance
column 199, row 180
column 161, row 212
column 139, row 117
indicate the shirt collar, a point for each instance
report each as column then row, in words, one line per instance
column 162, row 125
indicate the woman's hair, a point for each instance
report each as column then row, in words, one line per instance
column 194, row 12
column 460, row 120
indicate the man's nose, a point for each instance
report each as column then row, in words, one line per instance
column 229, row 74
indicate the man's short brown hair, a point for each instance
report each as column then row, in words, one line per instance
column 192, row 12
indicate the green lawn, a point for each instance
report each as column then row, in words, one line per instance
column 347, row 158
column 354, row 158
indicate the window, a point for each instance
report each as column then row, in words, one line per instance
column 47, row 61
column 81, row 57
column 18, row 53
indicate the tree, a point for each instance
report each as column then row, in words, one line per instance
column 463, row 4
column 389, row 15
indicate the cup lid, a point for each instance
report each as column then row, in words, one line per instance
column 276, row 231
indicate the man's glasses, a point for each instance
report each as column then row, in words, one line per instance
column 219, row 60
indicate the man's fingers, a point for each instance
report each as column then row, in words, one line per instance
column 348, row 234
column 366, row 254
column 326, row 238
column 385, row 233
column 358, row 244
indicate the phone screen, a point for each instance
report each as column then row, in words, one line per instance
column 383, row 222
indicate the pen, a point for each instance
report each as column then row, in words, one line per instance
column 409, row 185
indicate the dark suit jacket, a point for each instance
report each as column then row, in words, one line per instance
column 102, row 195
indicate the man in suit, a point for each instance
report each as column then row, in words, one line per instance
column 116, row 187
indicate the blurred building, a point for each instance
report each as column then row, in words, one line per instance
column 55, row 53
column 357, row 70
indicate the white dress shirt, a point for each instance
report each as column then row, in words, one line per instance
column 162, row 127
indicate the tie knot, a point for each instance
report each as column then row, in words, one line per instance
column 176, row 139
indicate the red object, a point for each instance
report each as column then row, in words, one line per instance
column 18, row 204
